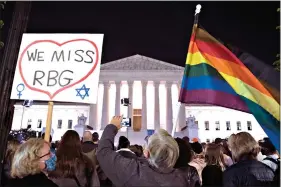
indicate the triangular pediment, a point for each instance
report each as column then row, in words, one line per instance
column 139, row 62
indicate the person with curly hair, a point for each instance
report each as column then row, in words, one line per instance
column 28, row 164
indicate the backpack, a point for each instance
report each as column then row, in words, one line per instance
column 276, row 179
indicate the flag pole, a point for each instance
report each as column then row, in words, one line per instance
column 176, row 120
column 49, row 121
column 197, row 11
column 179, row 105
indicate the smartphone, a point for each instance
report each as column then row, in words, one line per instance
column 126, row 122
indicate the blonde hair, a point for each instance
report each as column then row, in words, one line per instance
column 163, row 150
column 243, row 145
column 25, row 161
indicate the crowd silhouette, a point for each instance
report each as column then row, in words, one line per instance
column 161, row 161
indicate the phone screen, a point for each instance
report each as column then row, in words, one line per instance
column 126, row 122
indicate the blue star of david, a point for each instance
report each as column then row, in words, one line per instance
column 83, row 88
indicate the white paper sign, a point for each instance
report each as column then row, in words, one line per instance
column 58, row 67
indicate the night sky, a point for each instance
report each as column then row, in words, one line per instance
column 161, row 30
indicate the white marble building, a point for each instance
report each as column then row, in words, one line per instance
column 152, row 85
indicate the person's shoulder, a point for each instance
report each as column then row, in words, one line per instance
column 211, row 166
column 190, row 173
column 89, row 143
column 142, row 160
column 13, row 182
column 45, row 181
column 88, row 162
column 248, row 165
column 191, row 168
column 263, row 166
column 232, row 169
column 50, row 183
column 39, row 179
column 187, row 169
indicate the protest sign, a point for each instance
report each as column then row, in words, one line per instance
column 58, row 67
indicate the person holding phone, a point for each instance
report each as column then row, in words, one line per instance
column 161, row 152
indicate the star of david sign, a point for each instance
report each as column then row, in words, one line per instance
column 83, row 92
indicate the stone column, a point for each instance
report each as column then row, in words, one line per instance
column 130, row 107
column 93, row 118
column 118, row 98
column 144, row 106
column 156, row 107
column 105, row 106
column 169, row 108
column 181, row 115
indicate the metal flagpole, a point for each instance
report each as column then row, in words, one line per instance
column 176, row 120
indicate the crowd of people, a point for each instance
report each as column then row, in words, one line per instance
column 161, row 161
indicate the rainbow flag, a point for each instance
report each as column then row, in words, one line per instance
column 214, row 75
column 266, row 74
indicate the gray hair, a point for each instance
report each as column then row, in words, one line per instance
column 163, row 150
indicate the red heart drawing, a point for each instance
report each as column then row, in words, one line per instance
column 51, row 96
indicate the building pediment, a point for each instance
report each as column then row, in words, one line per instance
column 140, row 63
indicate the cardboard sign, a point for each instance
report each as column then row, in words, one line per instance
column 58, row 67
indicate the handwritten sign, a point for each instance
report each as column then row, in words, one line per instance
column 58, row 67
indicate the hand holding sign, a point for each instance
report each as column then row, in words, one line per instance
column 56, row 67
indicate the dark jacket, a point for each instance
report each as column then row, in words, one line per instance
column 32, row 181
column 89, row 149
column 248, row 173
column 6, row 173
column 192, row 176
column 133, row 172
column 88, row 146
column 212, row 176
column 127, row 153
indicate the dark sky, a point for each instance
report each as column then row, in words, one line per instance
column 161, row 30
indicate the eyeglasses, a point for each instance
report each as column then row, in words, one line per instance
column 49, row 153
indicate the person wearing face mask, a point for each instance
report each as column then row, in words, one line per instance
column 29, row 163
column 51, row 162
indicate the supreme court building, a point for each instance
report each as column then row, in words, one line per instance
column 152, row 87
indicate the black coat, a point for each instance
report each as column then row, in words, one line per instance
column 32, row 181
column 133, row 172
column 248, row 173
column 212, row 176
column 6, row 173
column 88, row 146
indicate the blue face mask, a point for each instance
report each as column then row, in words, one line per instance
column 51, row 163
